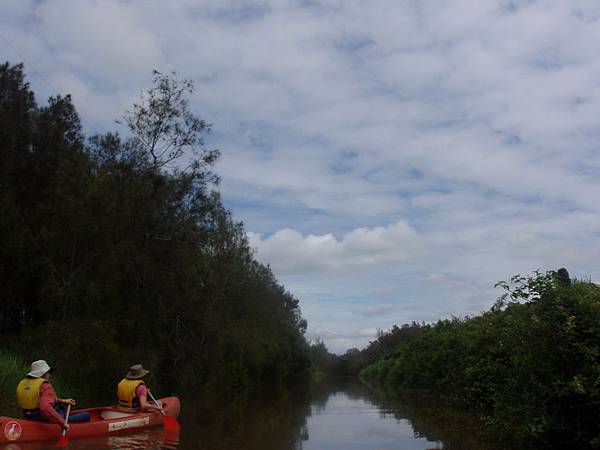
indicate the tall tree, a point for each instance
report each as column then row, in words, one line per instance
column 164, row 129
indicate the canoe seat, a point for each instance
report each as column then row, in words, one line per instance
column 109, row 414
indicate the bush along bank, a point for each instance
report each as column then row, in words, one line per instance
column 529, row 367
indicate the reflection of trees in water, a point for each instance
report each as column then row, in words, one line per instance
column 320, row 394
column 279, row 421
column 276, row 421
column 153, row 439
column 455, row 429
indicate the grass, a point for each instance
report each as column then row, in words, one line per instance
column 12, row 370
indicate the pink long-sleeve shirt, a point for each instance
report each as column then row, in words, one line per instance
column 47, row 400
column 141, row 390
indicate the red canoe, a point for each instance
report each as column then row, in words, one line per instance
column 105, row 421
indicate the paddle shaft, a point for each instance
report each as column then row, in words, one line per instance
column 63, row 440
column 156, row 403
column 64, row 432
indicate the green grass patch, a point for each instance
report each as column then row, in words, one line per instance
column 12, row 370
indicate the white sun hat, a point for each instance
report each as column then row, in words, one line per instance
column 38, row 368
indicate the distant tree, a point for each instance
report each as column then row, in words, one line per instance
column 563, row 276
column 321, row 358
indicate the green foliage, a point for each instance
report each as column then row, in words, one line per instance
column 118, row 251
column 377, row 371
column 322, row 362
column 12, row 370
column 163, row 128
column 529, row 367
column 355, row 360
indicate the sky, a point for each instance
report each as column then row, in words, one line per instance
column 391, row 159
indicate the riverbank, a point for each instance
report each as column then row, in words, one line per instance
column 528, row 367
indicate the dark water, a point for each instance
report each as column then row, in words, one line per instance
column 343, row 415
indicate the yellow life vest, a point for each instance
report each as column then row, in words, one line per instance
column 28, row 392
column 126, row 393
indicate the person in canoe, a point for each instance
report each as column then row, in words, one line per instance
column 39, row 402
column 132, row 391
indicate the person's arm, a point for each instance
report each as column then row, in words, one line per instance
column 47, row 400
column 142, row 392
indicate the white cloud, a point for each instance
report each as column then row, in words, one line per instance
column 436, row 278
column 290, row 252
column 369, row 332
column 107, row 40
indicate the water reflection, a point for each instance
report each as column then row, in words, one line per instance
column 271, row 422
column 357, row 423
column 341, row 415
column 155, row 439
column 150, row 439
column 451, row 429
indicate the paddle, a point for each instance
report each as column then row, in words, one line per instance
column 169, row 422
column 63, row 441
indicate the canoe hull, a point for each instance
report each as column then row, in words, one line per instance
column 104, row 421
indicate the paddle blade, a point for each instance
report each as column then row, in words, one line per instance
column 63, row 441
column 170, row 423
column 170, row 439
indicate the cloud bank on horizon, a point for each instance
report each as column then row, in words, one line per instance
column 391, row 160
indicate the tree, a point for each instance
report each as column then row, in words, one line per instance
column 164, row 129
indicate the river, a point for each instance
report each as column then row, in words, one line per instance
column 342, row 415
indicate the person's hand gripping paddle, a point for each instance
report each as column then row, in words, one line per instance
column 63, row 441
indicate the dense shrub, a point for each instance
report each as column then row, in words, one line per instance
column 530, row 366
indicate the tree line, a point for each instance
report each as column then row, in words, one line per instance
column 529, row 368
column 116, row 250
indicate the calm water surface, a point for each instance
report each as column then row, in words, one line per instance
column 350, row 422
column 339, row 416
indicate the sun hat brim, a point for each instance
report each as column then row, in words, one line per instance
column 39, row 369
column 137, row 376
